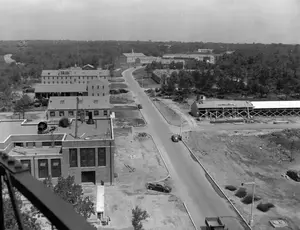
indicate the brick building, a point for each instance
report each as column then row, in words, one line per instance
column 89, row 158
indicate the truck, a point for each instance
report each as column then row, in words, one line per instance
column 214, row 223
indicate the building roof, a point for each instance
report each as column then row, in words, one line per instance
column 134, row 54
column 275, row 104
column 67, row 88
column 23, row 151
column 224, row 104
column 85, row 102
column 88, row 65
column 14, row 128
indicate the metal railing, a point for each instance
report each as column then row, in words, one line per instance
column 57, row 211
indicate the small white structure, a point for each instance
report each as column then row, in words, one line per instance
column 100, row 201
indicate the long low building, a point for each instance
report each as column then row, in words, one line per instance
column 246, row 109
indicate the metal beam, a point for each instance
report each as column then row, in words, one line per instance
column 59, row 213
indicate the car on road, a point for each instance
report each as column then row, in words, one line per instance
column 158, row 187
column 176, row 137
column 214, row 223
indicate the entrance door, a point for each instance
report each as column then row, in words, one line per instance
column 88, row 177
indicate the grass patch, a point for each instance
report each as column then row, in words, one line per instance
column 231, row 188
column 264, row 207
column 117, row 79
column 118, row 86
column 169, row 114
column 241, row 193
column 119, row 100
column 248, row 199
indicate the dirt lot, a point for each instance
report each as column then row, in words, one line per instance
column 233, row 157
column 116, row 79
column 166, row 211
column 144, row 80
column 125, row 117
column 123, row 98
column 169, row 114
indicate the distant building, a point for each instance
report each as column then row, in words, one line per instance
column 89, row 157
column 98, row 88
column 205, row 51
column 66, row 107
column 88, row 67
column 130, row 59
column 72, row 76
column 211, row 58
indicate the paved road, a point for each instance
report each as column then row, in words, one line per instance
column 191, row 183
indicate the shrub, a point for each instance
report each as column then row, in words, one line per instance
column 64, row 122
column 264, row 207
column 230, row 187
column 241, row 192
column 248, row 199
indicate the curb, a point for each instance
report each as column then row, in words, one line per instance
column 153, row 102
column 189, row 214
column 216, row 184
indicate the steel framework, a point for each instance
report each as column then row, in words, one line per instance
column 59, row 213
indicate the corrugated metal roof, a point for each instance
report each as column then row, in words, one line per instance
column 275, row 104
column 85, row 102
column 224, row 104
column 60, row 88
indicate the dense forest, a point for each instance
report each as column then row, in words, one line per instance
column 258, row 68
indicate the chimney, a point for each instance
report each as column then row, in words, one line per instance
column 90, row 121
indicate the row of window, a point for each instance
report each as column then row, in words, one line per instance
column 98, row 94
column 43, row 168
column 98, row 87
column 67, row 82
column 71, row 77
column 32, row 144
column 87, row 157
column 71, row 113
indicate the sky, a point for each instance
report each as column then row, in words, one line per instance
column 234, row 21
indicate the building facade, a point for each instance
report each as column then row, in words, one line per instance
column 98, row 88
column 60, row 90
column 66, row 107
column 89, row 158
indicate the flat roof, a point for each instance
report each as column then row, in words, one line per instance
column 74, row 72
column 85, row 102
column 224, row 104
column 15, row 128
column 100, row 130
column 34, row 151
column 276, row 104
column 68, row 88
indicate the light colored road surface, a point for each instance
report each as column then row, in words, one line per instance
column 8, row 59
column 190, row 180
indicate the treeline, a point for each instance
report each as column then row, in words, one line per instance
column 261, row 75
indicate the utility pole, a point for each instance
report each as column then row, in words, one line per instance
column 253, row 195
column 180, row 126
column 76, row 117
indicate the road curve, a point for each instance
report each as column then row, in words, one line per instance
column 191, row 183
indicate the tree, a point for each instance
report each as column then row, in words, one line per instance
column 138, row 215
column 69, row 191
column 22, row 105
column 29, row 222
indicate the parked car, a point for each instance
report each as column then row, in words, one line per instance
column 176, row 137
column 139, row 106
column 158, row 187
column 214, row 223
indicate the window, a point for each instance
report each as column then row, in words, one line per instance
column 97, row 86
column 19, row 144
column 103, row 87
column 53, row 82
column 87, row 157
column 26, row 163
column 103, row 94
column 71, row 113
column 43, row 168
column 105, row 112
column 73, row 160
column 57, row 82
column 98, row 94
column 62, row 101
column 86, row 113
column 92, row 87
column 101, row 156
column 96, row 113
column 57, row 143
column 92, row 94
column 61, row 113
column 55, row 168
column 47, row 143
column 79, row 82
column 79, row 77
column 52, row 113
column 62, row 82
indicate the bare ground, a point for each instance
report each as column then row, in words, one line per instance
column 233, row 157
column 166, row 211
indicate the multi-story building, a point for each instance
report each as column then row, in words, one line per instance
column 98, row 88
column 205, row 51
column 211, row 58
column 72, row 76
column 66, row 107
column 88, row 156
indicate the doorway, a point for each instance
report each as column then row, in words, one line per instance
column 88, row 177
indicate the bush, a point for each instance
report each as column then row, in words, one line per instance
column 248, row 199
column 230, row 187
column 64, row 122
column 241, row 193
column 265, row 207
